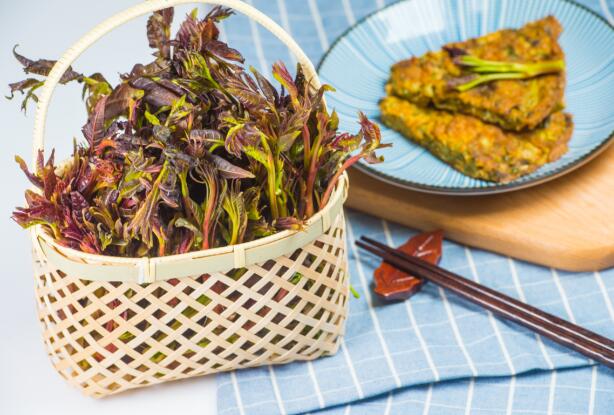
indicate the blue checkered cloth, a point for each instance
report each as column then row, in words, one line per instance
column 434, row 354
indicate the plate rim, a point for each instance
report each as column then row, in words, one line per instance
column 473, row 191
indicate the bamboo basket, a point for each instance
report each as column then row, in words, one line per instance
column 112, row 324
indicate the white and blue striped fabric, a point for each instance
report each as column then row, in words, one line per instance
column 433, row 354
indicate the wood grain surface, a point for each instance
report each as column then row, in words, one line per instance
column 567, row 223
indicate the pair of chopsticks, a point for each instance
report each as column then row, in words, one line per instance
column 586, row 342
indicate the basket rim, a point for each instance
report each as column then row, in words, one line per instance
column 96, row 267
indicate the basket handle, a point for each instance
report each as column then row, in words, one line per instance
column 150, row 6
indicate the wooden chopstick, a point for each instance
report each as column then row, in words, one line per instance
column 583, row 341
column 512, row 302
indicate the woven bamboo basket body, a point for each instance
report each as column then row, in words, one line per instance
column 112, row 324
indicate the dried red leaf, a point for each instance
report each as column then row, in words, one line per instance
column 393, row 284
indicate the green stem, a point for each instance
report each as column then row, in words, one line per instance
column 271, row 192
column 271, row 179
column 211, row 202
column 280, row 193
column 306, row 147
column 532, row 69
column 481, row 79
column 235, row 230
column 311, row 178
column 497, row 70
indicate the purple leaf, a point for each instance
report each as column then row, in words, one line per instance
column 266, row 87
column 159, row 31
column 43, row 67
column 93, row 130
column 223, row 51
column 229, row 170
column 155, row 95
column 23, row 85
column 281, row 74
column 34, row 179
column 120, row 100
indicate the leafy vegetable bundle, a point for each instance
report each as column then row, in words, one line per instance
column 190, row 151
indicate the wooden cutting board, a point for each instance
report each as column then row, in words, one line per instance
column 567, row 223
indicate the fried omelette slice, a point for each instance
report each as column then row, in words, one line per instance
column 512, row 104
column 476, row 148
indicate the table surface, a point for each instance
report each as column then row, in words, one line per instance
column 28, row 383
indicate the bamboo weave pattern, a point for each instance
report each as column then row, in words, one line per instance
column 107, row 337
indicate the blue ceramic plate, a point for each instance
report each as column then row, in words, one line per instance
column 358, row 65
